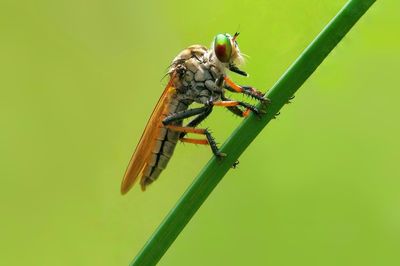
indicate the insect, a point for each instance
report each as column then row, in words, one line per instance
column 196, row 75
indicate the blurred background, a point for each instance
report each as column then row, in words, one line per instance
column 79, row 79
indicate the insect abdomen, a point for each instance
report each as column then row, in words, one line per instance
column 164, row 147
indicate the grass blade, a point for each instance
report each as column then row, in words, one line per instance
column 241, row 138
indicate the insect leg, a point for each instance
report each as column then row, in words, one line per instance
column 239, row 103
column 237, row 111
column 210, row 139
column 253, row 108
column 195, row 141
column 247, row 90
column 184, row 114
column 213, row 144
column 230, row 85
column 198, row 119
column 235, row 69
column 254, row 93
column 234, row 109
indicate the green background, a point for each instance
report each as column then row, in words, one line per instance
column 78, row 80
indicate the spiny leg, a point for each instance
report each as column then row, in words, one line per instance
column 210, row 139
column 230, row 103
column 254, row 93
column 202, row 113
column 247, row 90
column 197, row 120
column 237, row 111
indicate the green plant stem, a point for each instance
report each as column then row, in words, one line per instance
column 240, row 139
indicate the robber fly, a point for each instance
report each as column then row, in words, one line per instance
column 195, row 75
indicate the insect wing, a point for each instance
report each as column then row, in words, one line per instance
column 148, row 139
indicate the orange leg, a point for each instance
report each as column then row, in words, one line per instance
column 233, row 85
column 230, row 103
column 210, row 140
column 195, row 141
column 226, row 103
column 246, row 113
column 187, row 129
column 250, row 91
column 239, row 112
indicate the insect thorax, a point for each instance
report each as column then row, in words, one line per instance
column 198, row 75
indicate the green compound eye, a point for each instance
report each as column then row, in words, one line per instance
column 223, row 48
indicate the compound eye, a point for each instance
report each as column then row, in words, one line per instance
column 223, row 48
